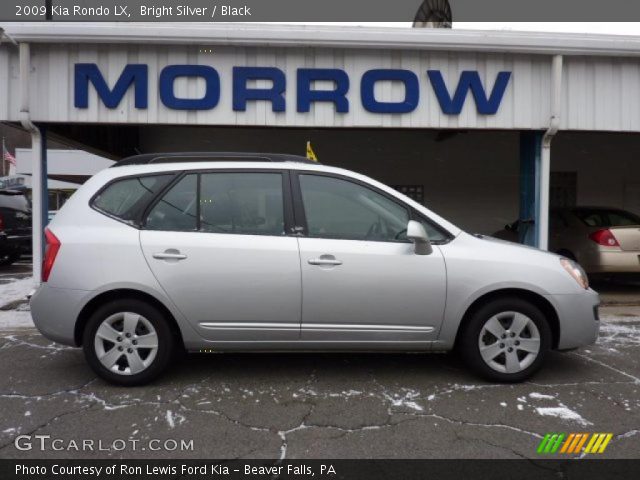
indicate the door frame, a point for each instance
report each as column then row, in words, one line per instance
column 385, row 336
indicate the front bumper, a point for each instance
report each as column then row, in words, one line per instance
column 55, row 312
column 578, row 315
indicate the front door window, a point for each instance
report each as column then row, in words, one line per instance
column 341, row 209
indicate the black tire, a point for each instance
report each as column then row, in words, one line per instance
column 469, row 348
column 166, row 341
column 9, row 259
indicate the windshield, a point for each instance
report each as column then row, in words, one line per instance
column 607, row 218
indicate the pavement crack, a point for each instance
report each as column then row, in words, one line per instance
column 475, row 424
column 593, row 360
column 71, row 391
column 44, row 425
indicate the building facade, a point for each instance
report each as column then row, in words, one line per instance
column 467, row 119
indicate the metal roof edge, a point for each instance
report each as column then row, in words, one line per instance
column 286, row 35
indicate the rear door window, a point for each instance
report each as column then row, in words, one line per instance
column 177, row 210
column 249, row 203
column 127, row 198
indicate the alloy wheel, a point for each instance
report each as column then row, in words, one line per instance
column 126, row 343
column 509, row 342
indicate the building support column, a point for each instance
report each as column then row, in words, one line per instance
column 542, row 230
column 530, row 154
column 44, row 182
column 39, row 198
column 535, row 169
column 39, row 195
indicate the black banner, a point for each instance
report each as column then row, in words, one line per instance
column 118, row 469
column 317, row 10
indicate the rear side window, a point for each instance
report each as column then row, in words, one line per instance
column 126, row 199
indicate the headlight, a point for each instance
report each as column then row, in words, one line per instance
column 576, row 271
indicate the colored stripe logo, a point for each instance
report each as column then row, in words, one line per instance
column 574, row 443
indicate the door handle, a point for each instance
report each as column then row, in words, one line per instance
column 169, row 255
column 324, row 260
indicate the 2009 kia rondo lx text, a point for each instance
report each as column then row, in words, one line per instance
column 271, row 252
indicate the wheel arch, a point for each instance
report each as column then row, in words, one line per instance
column 565, row 252
column 534, row 298
column 120, row 294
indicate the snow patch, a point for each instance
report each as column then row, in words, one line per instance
column 12, row 319
column 11, row 292
column 541, row 396
column 407, row 400
column 562, row 412
column 614, row 332
column 173, row 418
column 16, row 290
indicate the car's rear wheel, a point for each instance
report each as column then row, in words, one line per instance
column 506, row 340
column 128, row 342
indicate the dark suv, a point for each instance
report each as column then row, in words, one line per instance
column 15, row 226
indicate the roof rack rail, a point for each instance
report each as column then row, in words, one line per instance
column 181, row 157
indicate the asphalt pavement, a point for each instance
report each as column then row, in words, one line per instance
column 317, row 405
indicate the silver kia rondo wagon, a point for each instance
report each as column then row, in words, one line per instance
column 239, row 252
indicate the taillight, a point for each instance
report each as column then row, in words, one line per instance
column 605, row 238
column 50, row 252
column 1, row 222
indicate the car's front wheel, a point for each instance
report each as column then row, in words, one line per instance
column 128, row 342
column 506, row 340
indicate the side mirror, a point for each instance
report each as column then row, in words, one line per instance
column 418, row 235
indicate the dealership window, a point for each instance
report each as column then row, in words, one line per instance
column 125, row 199
column 242, row 203
column 337, row 208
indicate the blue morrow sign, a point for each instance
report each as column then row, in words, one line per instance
column 450, row 98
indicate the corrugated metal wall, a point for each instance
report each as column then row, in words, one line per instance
column 599, row 93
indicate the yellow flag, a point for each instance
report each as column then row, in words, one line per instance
column 310, row 153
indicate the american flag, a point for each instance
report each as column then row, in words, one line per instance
column 6, row 156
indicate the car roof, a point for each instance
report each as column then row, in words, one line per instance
column 184, row 157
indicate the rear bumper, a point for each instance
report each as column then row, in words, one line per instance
column 55, row 312
column 578, row 315
column 614, row 262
